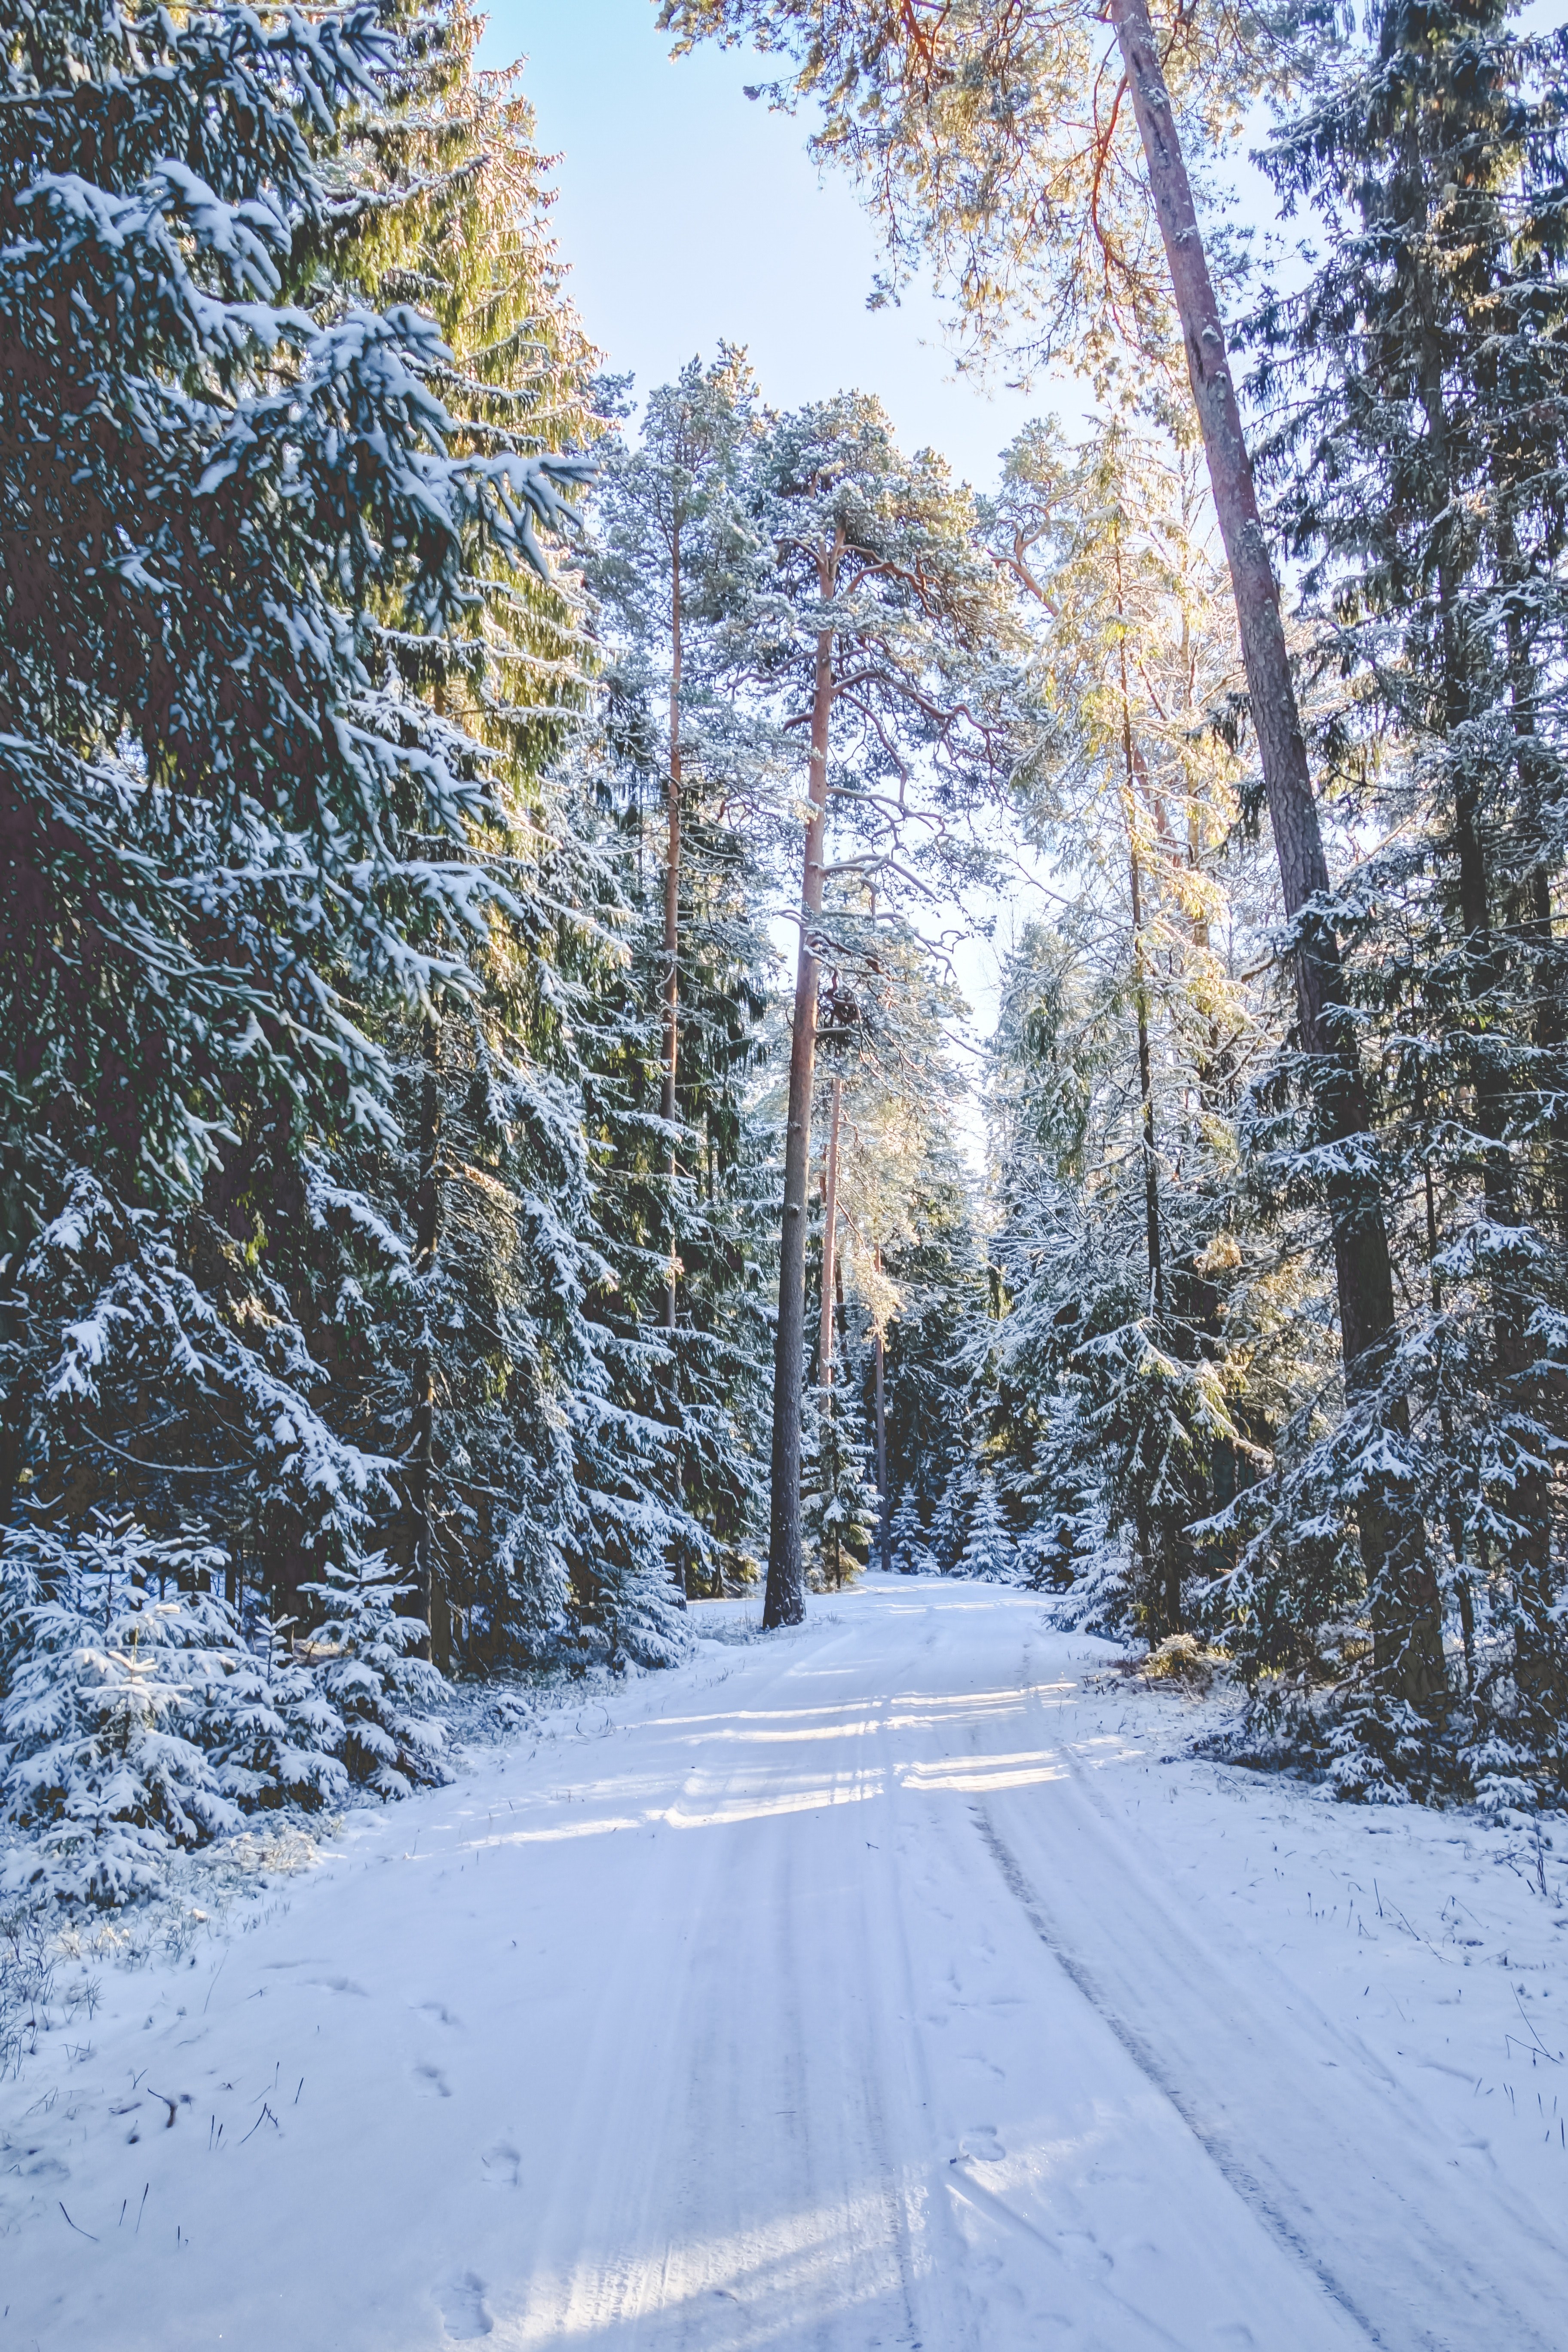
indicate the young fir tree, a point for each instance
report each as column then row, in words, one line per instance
column 951, row 1522
column 989, row 1552
column 109, row 1680
column 840, row 1503
column 873, row 632
column 910, row 1556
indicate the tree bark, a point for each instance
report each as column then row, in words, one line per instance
column 422, row 1430
column 829, row 1240
column 1361, row 1242
column 672, row 916
column 1157, row 1533
column 784, row 1603
column 666, row 1095
column 1139, row 977
column 884, row 1524
column 1410, row 1651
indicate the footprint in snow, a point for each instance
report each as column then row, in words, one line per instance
column 981, row 2144
column 502, row 2166
column 432, row 2082
column 464, row 2314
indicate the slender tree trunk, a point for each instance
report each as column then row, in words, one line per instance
column 784, row 1603
column 1532, row 903
column 829, row 1240
column 1146, row 1094
column 1409, row 1622
column 672, row 916
column 428, row 1590
column 1445, row 1422
column 1158, row 1532
column 1140, row 979
column 832, row 1290
column 885, row 1516
column 666, row 1093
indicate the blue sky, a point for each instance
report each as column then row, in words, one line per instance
column 688, row 213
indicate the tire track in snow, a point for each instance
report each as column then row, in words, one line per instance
column 1161, row 2079
column 907, row 2154
column 1191, row 2001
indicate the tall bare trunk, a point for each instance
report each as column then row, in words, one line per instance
column 1531, row 902
column 1409, row 1632
column 885, row 1517
column 1159, row 1539
column 428, row 1589
column 672, row 915
column 829, row 1240
column 785, row 1600
column 667, row 1095
column 1140, row 979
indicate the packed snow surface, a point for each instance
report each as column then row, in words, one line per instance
column 898, row 1982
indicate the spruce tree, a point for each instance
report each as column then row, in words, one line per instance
column 910, row 1554
column 670, row 571
column 241, row 524
column 838, row 1502
column 950, row 1525
column 989, row 1551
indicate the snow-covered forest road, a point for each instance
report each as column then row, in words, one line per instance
column 875, row 1985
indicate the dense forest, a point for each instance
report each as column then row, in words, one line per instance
column 482, row 1128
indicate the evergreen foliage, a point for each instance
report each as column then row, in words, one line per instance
column 910, row 1556
column 950, row 1525
column 840, row 1505
column 989, row 1551
column 408, row 751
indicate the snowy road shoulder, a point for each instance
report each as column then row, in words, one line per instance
column 873, row 1985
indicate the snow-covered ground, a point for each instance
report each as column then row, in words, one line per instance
column 897, row 1982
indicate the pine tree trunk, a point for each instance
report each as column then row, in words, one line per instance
column 1532, row 903
column 428, row 1591
column 1139, row 977
column 829, row 1241
column 667, row 1094
column 885, row 1517
column 784, row 1603
column 1160, row 1535
column 1409, row 1622
column 672, row 916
